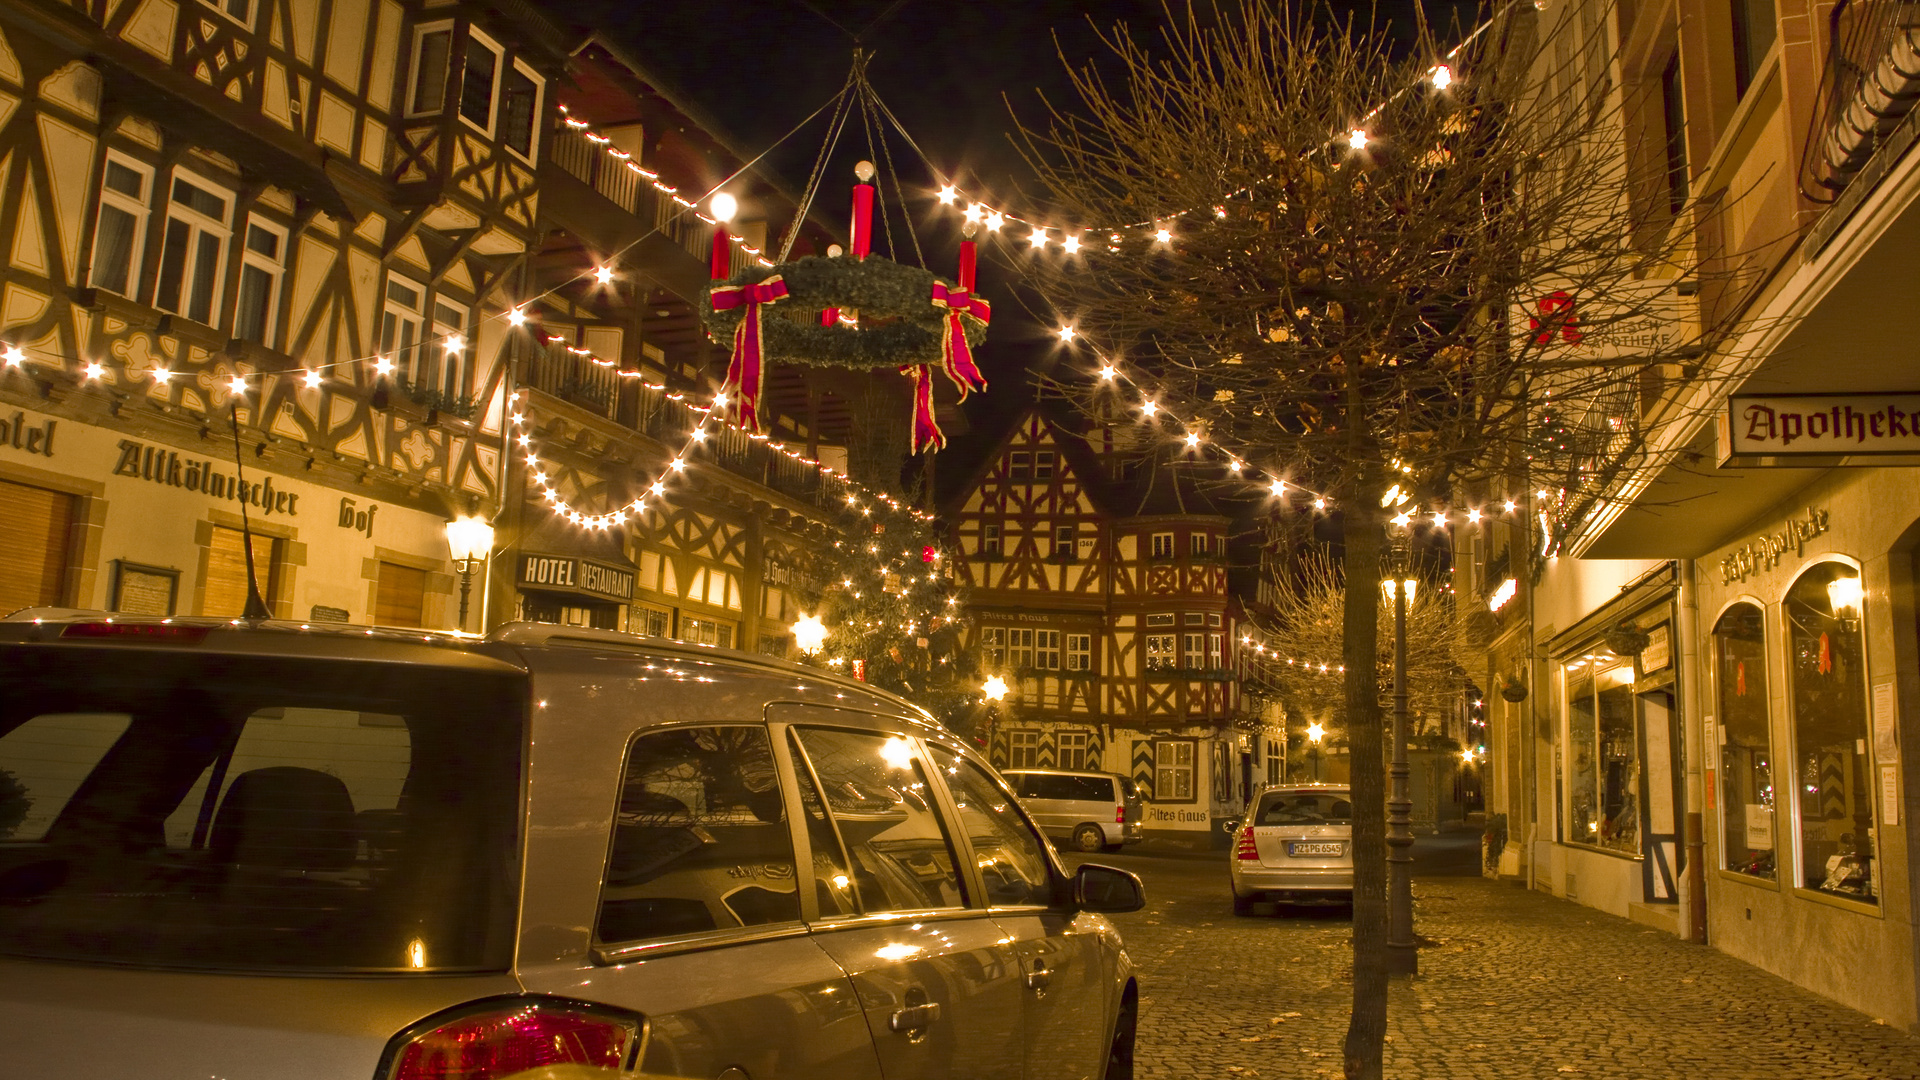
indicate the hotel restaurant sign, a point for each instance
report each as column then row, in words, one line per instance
column 1819, row 429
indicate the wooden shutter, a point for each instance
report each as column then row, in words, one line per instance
column 225, row 594
column 400, row 596
column 33, row 546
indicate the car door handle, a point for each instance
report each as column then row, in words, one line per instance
column 1039, row 977
column 914, row 1017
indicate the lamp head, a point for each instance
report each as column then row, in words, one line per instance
column 723, row 206
column 469, row 538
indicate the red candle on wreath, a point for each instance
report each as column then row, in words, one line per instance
column 831, row 316
column 723, row 206
column 861, row 241
column 965, row 276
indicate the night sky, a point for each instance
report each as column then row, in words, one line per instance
column 955, row 73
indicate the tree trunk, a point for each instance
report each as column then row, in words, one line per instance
column 1363, row 534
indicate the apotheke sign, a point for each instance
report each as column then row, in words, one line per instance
column 1785, row 429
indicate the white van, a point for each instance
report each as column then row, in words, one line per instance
column 1099, row 811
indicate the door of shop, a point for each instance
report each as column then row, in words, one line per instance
column 1663, row 757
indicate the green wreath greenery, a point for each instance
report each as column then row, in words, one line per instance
column 878, row 288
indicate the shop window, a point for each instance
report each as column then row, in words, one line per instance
column 225, row 591
column 193, row 249
column 122, row 226
column 1832, row 791
column 696, row 805
column 1079, row 652
column 1162, row 545
column 1161, row 655
column 1046, row 650
column 262, row 265
column 33, row 561
column 1173, row 770
column 1749, row 837
column 400, row 596
column 1073, row 750
column 1023, row 750
column 653, row 621
column 1602, row 758
column 706, row 632
column 993, row 640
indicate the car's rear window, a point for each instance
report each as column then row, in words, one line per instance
column 1066, row 787
column 243, row 813
column 1310, row 808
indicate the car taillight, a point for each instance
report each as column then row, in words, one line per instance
column 1244, row 848
column 499, row 1038
column 1119, row 815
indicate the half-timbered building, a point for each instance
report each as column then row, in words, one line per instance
column 1098, row 590
column 323, row 263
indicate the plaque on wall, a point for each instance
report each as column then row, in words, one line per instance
column 144, row 590
column 323, row 613
column 1658, row 652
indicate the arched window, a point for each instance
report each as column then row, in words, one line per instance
column 1749, row 837
column 1827, row 679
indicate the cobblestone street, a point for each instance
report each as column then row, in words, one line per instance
column 1518, row 984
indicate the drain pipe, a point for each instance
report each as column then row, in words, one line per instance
column 1693, row 723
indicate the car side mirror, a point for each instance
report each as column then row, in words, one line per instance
column 1107, row 890
column 1231, row 825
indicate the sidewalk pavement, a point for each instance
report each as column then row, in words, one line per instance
column 1515, row 984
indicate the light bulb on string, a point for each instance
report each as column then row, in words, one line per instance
column 1067, row 333
column 1038, row 237
column 382, row 365
column 603, row 275
column 1357, row 139
column 1278, row 488
column 1164, row 236
column 1070, row 244
column 95, row 370
column 1193, row 440
column 516, row 316
column 161, row 375
column 1442, row 77
column 1108, row 371
column 948, row 195
column 455, row 343
column 1150, row 407
column 237, row 384
column 994, row 220
column 14, row 356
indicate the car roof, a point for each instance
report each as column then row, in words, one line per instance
column 512, row 647
column 1304, row 789
column 1066, row 772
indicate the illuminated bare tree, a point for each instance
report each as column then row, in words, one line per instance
column 1387, row 271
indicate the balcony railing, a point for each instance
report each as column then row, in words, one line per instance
column 601, row 390
column 1871, row 82
column 592, row 159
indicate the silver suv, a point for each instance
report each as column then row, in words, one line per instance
column 270, row 851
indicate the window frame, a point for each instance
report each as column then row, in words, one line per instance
column 476, row 36
column 1046, row 650
column 221, row 6
column 1191, row 767
column 1019, row 740
column 411, row 89
column 439, row 331
column 1078, row 650
column 1065, row 541
column 403, row 357
column 989, row 541
column 1158, row 550
column 274, row 270
column 531, row 155
column 1160, row 652
column 1060, row 739
column 1596, row 666
column 1868, row 790
column 140, row 209
column 993, row 643
column 1043, row 464
column 198, row 226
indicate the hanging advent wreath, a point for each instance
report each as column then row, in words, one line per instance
column 900, row 326
column 907, row 319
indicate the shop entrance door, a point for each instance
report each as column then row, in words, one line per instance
column 1662, row 753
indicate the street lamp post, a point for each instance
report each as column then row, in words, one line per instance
column 1314, row 734
column 1403, row 957
column 470, row 539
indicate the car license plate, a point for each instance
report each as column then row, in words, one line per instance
column 1313, row 848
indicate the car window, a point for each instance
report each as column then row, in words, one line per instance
column 1313, row 808
column 282, row 814
column 832, row 881
column 1092, row 789
column 700, row 839
column 1026, row 785
column 1011, row 858
column 1132, row 789
column 878, row 797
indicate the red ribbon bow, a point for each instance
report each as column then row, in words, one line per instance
column 746, row 370
column 956, row 359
